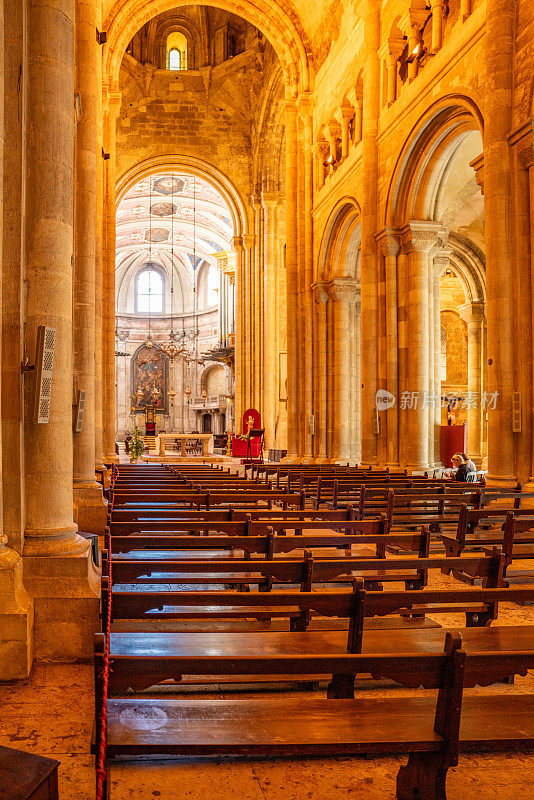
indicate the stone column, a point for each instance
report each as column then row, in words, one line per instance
column 499, row 43
column 270, row 332
column 419, row 239
column 90, row 509
column 58, row 569
column 369, row 261
column 347, row 115
column 16, row 608
column 321, row 377
column 333, row 132
column 473, row 316
column 249, row 242
column 99, row 245
column 291, row 279
column 343, row 293
column 437, row 24
column 306, row 272
column 391, row 248
column 358, row 119
column 240, row 333
column 320, row 152
column 113, row 101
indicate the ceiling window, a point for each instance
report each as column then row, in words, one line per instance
column 149, row 294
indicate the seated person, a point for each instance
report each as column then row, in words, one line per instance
column 463, row 473
column 470, row 463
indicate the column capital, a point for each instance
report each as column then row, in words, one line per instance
column 344, row 289
column 112, row 100
column 423, row 236
column 473, row 312
column 289, row 107
column 237, row 243
column 321, row 147
column 333, row 131
column 320, row 291
column 305, row 105
column 389, row 242
column 270, row 199
column 248, row 240
column 478, row 166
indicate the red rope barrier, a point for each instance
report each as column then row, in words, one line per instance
column 101, row 772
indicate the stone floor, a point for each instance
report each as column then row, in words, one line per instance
column 52, row 713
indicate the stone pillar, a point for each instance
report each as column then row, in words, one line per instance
column 437, row 24
column 347, row 115
column 249, row 242
column 270, row 331
column 358, row 119
column 419, row 239
column 99, row 245
column 16, row 608
column 333, row 132
column 240, row 399
column 435, row 340
column 90, row 509
column 344, row 293
column 391, row 249
column 58, row 569
column 320, row 152
column 113, row 101
column 306, row 274
column 321, row 369
column 499, row 39
column 291, row 278
column 369, row 261
column 473, row 316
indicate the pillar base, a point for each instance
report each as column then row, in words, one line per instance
column 90, row 508
column 321, row 460
column 16, row 620
column 290, row 458
column 113, row 459
column 65, row 587
column 500, row 481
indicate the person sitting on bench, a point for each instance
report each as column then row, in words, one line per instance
column 463, row 472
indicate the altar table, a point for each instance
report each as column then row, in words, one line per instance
column 205, row 438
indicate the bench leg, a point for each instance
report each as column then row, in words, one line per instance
column 423, row 777
column 341, row 687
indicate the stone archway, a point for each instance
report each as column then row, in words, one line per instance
column 126, row 17
column 434, row 221
column 337, row 321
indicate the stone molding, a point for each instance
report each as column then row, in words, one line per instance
column 422, row 236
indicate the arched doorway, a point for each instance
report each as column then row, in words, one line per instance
column 435, row 214
column 337, row 321
column 170, row 225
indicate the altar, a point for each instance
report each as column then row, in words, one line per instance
column 205, row 438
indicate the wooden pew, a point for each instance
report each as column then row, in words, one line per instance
column 509, row 522
column 430, row 731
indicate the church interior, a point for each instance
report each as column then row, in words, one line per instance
column 266, row 399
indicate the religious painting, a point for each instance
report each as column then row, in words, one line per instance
column 150, row 379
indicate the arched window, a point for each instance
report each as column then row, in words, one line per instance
column 176, row 51
column 149, row 294
column 175, row 59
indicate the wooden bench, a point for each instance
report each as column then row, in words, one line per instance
column 508, row 521
column 205, row 499
column 479, row 605
column 27, row 776
column 431, row 731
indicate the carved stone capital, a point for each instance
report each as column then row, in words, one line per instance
column 422, row 236
column 473, row 312
column 248, row 241
column 346, row 289
column 389, row 242
column 270, row 199
column 305, row 105
column 321, row 148
column 478, row 165
column 320, row 292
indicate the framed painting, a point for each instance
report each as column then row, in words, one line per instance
column 150, row 379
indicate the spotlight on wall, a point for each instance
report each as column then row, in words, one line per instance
column 418, row 52
column 101, row 37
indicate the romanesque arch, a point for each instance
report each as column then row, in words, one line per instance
column 127, row 16
column 434, row 219
column 337, row 319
